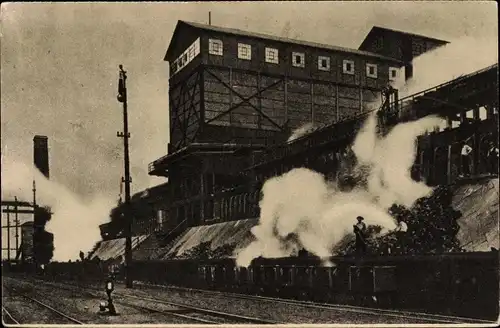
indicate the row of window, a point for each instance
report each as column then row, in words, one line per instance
column 298, row 59
column 187, row 56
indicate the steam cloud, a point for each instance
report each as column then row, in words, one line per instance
column 300, row 209
column 448, row 62
column 74, row 223
column 302, row 131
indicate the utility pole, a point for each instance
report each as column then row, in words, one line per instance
column 122, row 97
column 17, row 227
column 34, row 225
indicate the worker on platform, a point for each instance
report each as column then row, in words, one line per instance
column 493, row 158
column 400, row 232
column 465, row 155
column 359, row 231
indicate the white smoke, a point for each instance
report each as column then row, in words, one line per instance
column 301, row 210
column 302, row 131
column 74, row 223
column 459, row 57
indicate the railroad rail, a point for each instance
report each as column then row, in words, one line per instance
column 207, row 316
column 9, row 317
column 42, row 304
column 196, row 314
column 432, row 318
column 212, row 313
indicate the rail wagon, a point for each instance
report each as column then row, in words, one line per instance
column 463, row 284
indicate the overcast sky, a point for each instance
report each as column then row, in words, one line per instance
column 59, row 69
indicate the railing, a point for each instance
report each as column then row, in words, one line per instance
column 443, row 164
column 331, row 132
column 408, row 101
column 232, row 205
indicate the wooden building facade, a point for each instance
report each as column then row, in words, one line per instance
column 234, row 94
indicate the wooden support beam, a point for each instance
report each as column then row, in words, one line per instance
column 245, row 100
column 203, row 196
column 231, row 94
column 448, row 166
column 312, row 101
column 476, row 114
column 360, row 100
column 18, row 211
column 14, row 203
column 337, row 102
column 285, row 81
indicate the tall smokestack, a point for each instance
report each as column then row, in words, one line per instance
column 41, row 154
column 43, row 241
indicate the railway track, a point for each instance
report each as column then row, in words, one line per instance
column 8, row 318
column 201, row 314
column 16, row 292
column 183, row 311
column 206, row 316
column 436, row 318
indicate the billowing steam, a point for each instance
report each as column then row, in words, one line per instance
column 459, row 57
column 74, row 223
column 301, row 210
column 302, row 131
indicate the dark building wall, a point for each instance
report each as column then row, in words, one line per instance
column 185, row 111
column 293, row 101
column 285, row 67
column 281, row 96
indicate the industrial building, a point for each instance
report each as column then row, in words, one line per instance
column 235, row 98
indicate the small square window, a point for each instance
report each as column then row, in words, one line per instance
column 215, row 47
column 298, row 59
column 323, row 63
column 272, row 55
column 348, row 67
column 371, row 70
column 393, row 73
column 244, row 51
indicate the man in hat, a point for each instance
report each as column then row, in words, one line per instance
column 400, row 232
column 359, row 231
column 465, row 155
column 493, row 158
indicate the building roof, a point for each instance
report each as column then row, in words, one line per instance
column 234, row 31
column 378, row 31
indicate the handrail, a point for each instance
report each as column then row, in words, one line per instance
column 175, row 228
column 458, row 79
column 279, row 149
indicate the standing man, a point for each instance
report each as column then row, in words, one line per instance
column 359, row 231
column 493, row 158
column 465, row 156
column 400, row 234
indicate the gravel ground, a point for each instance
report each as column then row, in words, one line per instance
column 28, row 312
column 79, row 305
column 282, row 313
